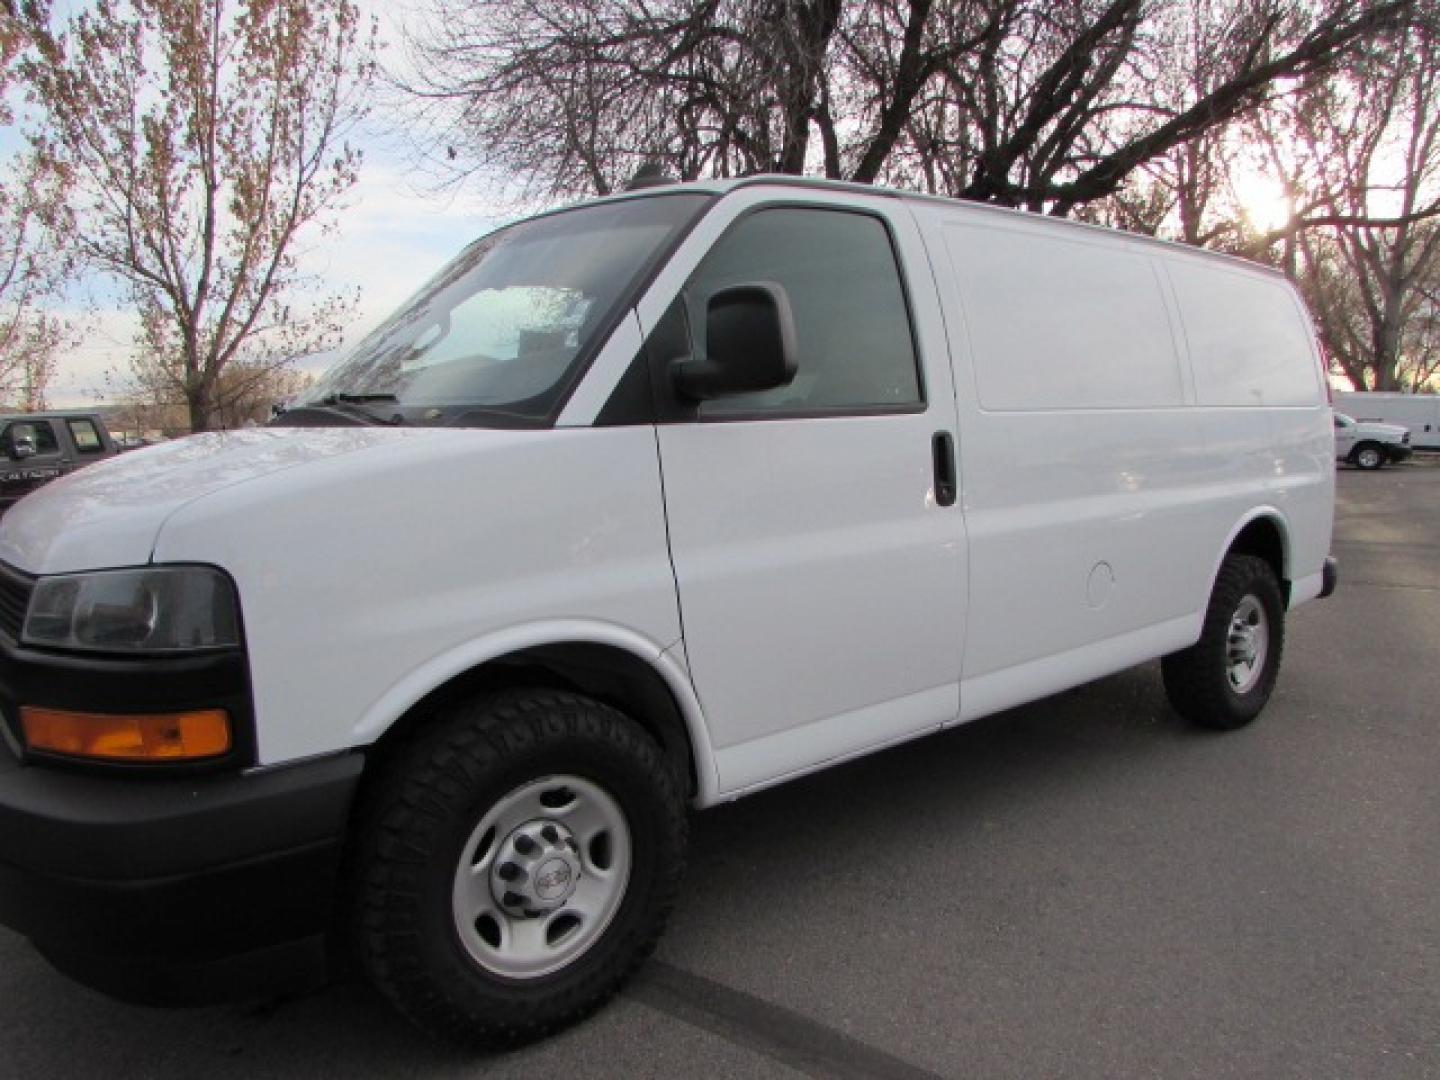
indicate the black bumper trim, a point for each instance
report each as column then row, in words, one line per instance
column 128, row 828
column 176, row 892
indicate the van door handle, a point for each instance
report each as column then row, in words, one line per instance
column 942, row 448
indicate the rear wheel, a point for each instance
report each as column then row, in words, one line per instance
column 1225, row 679
column 1368, row 456
column 516, row 862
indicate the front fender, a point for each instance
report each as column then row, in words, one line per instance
column 442, row 669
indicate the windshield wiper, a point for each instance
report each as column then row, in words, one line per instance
column 350, row 405
column 354, row 399
column 346, row 406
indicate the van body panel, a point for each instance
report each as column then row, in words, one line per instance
column 1056, row 496
column 469, row 533
column 793, row 752
column 821, row 586
column 1099, row 497
column 1034, row 679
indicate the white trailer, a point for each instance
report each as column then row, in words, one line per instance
column 1418, row 412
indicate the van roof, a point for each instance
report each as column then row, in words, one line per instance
column 723, row 187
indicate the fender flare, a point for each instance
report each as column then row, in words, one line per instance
column 1254, row 514
column 446, row 666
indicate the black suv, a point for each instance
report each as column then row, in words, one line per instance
column 35, row 448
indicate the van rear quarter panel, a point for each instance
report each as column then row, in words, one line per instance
column 1260, row 398
column 1098, row 495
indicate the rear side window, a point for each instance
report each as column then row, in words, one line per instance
column 1248, row 343
column 852, row 325
column 87, row 439
column 1061, row 323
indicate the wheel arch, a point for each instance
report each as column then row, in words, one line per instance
column 1264, row 533
column 1354, row 456
column 610, row 663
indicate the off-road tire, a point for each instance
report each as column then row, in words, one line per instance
column 1196, row 679
column 415, row 819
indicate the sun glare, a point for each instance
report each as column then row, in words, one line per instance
column 1262, row 200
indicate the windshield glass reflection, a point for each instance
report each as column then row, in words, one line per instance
column 498, row 335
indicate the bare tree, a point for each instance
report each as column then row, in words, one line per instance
column 201, row 140
column 1360, row 154
column 33, row 262
column 33, row 267
column 244, row 394
column 1033, row 103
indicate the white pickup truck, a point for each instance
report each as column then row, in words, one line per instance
column 639, row 506
column 1367, row 444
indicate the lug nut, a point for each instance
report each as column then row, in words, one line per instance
column 525, row 845
column 509, row 872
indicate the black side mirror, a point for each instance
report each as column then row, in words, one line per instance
column 749, row 344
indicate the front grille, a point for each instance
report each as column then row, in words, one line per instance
column 15, row 590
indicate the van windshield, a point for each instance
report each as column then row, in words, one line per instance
column 498, row 337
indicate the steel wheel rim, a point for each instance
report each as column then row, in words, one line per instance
column 1369, row 458
column 570, row 842
column 1247, row 645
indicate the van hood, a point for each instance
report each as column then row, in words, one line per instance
column 109, row 514
column 1388, row 432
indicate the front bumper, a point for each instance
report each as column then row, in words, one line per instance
column 159, row 885
column 176, row 891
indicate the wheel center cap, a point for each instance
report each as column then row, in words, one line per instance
column 536, row 869
column 553, row 880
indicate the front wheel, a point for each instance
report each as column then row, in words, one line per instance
column 1225, row 679
column 1368, row 456
column 515, row 863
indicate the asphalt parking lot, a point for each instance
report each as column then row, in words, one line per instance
column 1079, row 888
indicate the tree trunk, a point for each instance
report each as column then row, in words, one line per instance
column 1386, row 360
column 197, row 398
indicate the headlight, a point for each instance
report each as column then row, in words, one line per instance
column 156, row 609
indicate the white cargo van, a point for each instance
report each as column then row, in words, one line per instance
column 638, row 506
column 1420, row 413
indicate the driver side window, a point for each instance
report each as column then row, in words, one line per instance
column 856, row 352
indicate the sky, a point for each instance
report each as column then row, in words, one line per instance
column 393, row 233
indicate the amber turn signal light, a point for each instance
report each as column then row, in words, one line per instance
column 186, row 736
